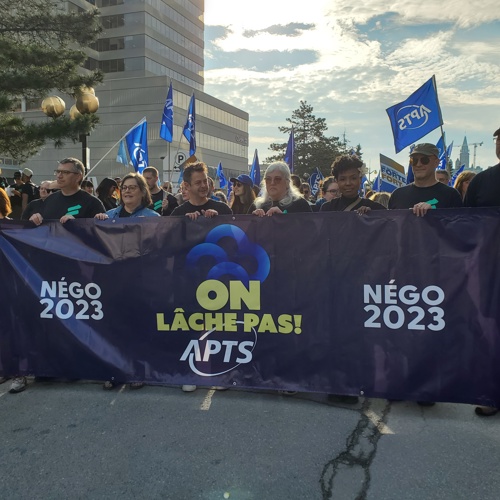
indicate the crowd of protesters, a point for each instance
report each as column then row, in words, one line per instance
column 281, row 192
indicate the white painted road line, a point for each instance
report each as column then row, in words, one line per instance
column 207, row 402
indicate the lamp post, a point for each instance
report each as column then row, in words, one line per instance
column 86, row 103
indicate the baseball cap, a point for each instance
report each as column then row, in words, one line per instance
column 243, row 178
column 425, row 149
column 28, row 172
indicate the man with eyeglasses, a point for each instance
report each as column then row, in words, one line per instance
column 425, row 192
column 36, row 206
column 71, row 202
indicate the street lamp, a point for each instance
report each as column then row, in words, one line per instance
column 86, row 103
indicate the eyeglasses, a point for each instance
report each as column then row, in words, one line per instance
column 64, row 172
column 424, row 160
column 273, row 180
column 238, row 184
column 48, row 190
column 130, row 187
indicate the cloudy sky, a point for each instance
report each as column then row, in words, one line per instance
column 352, row 62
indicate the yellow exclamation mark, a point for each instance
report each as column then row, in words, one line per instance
column 298, row 323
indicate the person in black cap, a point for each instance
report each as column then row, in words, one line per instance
column 484, row 191
column 243, row 194
column 425, row 192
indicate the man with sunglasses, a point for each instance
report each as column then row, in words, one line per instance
column 71, row 202
column 426, row 192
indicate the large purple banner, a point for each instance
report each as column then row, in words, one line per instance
column 384, row 305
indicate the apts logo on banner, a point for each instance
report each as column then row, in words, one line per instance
column 229, row 316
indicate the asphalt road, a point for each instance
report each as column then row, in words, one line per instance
column 74, row 440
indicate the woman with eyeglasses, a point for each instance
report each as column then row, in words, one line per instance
column 243, row 194
column 278, row 195
column 134, row 201
column 36, row 206
column 329, row 190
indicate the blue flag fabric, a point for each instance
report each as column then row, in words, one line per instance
column 255, row 170
column 455, row 175
column 189, row 130
column 314, row 180
column 229, row 188
column 376, row 183
column 440, row 144
column 137, row 145
column 121, row 157
column 181, row 178
column 409, row 176
column 290, row 151
column 442, row 158
column 221, row 176
column 167, row 120
column 416, row 116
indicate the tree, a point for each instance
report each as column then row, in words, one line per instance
column 42, row 51
column 312, row 148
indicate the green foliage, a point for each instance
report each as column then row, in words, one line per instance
column 312, row 147
column 42, row 49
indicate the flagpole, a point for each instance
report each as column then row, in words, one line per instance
column 142, row 120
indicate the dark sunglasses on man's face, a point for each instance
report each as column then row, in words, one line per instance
column 424, row 160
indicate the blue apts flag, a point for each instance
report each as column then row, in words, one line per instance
column 440, row 144
column 221, row 176
column 167, row 120
column 255, row 170
column 189, row 130
column 416, row 116
column 443, row 157
column 121, row 157
column 137, row 145
column 290, row 151
column 376, row 183
column 314, row 180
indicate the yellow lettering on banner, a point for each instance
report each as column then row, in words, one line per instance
column 249, row 321
column 285, row 323
column 179, row 322
column 160, row 323
column 212, row 303
column 230, row 322
column 196, row 322
column 250, row 297
column 267, row 324
column 214, row 321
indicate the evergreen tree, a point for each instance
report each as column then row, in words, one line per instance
column 41, row 51
column 312, row 147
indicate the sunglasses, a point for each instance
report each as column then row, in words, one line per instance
column 238, row 184
column 424, row 160
column 49, row 190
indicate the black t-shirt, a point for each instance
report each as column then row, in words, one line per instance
column 28, row 188
column 484, row 189
column 340, row 204
column 439, row 196
column 80, row 205
column 34, row 207
column 297, row 206
column 158, row 200
column 188, row 208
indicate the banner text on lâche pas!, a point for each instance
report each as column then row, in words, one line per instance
column 213, row 295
